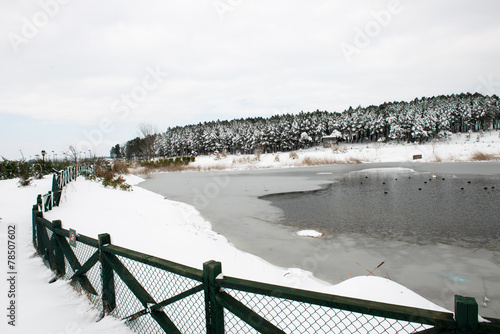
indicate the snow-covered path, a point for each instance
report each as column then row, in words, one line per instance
column 40, row 307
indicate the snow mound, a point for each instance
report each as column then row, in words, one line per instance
column 309, row 233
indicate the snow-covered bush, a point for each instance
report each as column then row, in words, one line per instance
column 24, row 173
column 103, row 172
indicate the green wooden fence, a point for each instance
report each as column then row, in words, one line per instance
column 154, row 295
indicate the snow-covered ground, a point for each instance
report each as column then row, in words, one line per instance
column 460, row 147
column 40, row 307
column 146, row 222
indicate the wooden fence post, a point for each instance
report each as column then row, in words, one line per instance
column 214, row 311
column 108, row 281
column 56, row 190
column 466, row 314
column 39, row 202
column 39, row 237
column 50, row 201
column 34, row 215
column 58, row 252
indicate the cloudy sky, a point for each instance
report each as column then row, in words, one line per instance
column 87, row 73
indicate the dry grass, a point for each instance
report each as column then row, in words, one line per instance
column 338, row 149
column 481, row 156
column 353, row 160
column 172, row 168
column 120, row 167
column 181, row 168
column 437, row 158
column 219, row 166
column 245, row 159
column 310, row 161
column 147, row 171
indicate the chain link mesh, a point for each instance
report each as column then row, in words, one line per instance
column 46, row 245
column 297, row 317
column 49, row 233
column 127, row 304
column 83, row 252
column 187, row 314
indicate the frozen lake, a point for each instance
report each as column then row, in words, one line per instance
column 434, row 268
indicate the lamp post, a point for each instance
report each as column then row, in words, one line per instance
column 43, row 155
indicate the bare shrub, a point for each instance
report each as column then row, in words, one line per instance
column 24, row 173
column 120, row 167
column 244, row 159
column 104, row 173
column 258, row 150
column 437, row 158
column 219, row 166
column 177, row 167
column 481, row 156
column 353, row 160
column 293, row 155
column 146, row 173
column 102, row 168
column 338, row 149
column 277, row 158
column 309, row 161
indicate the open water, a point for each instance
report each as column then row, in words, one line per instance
column 418, row 207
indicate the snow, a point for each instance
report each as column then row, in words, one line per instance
column 146, row 222
column 309, row 233
column 41, row 307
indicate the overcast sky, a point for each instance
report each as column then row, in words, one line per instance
column 87, row 73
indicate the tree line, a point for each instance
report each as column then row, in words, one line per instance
column 420, row 120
